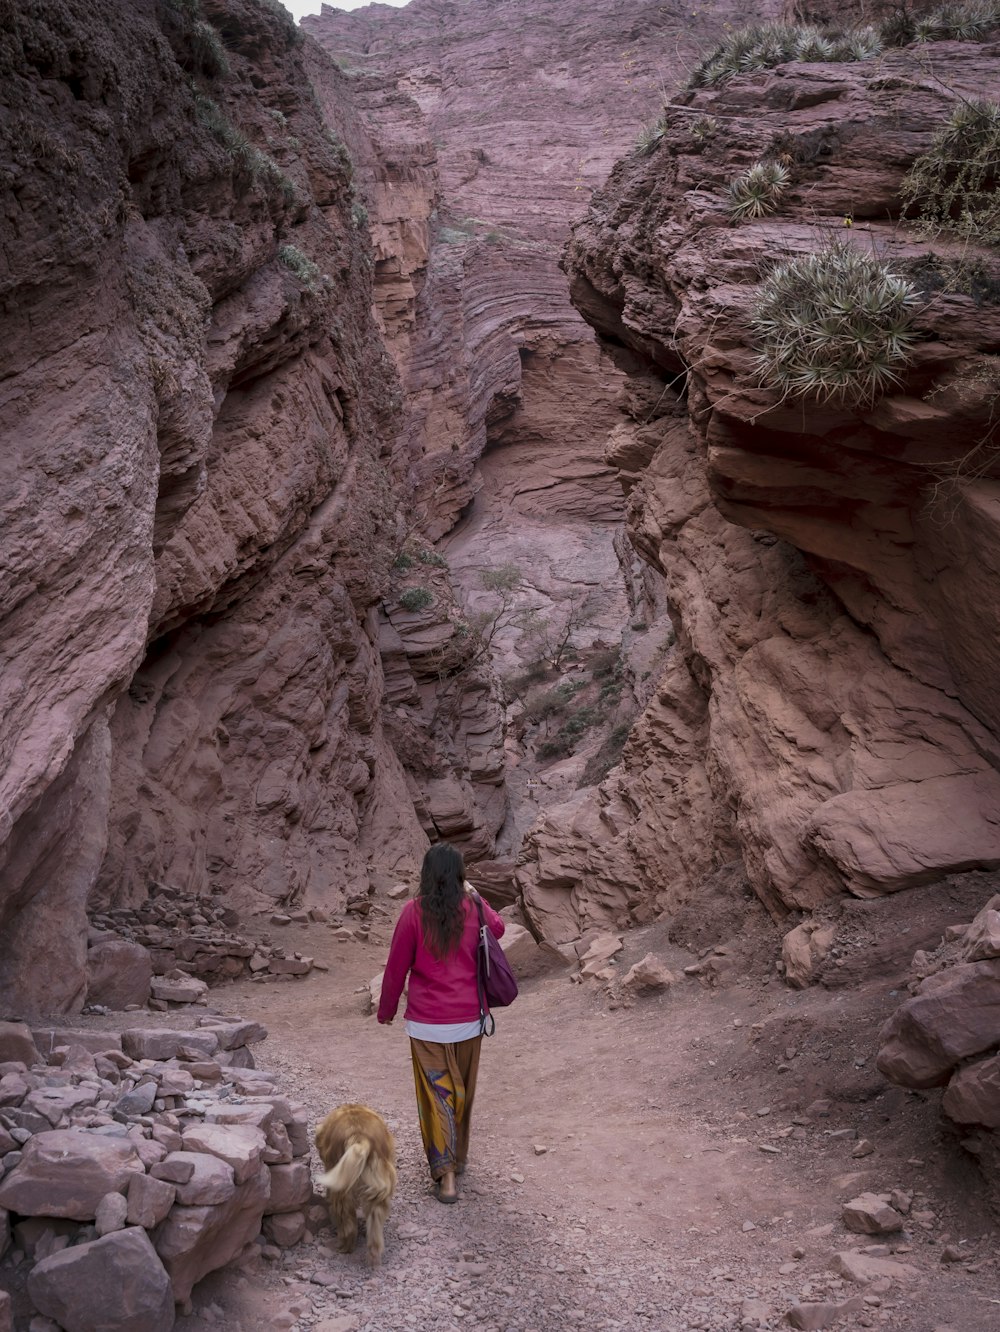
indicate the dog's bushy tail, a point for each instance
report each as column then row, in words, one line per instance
column 348, row 1170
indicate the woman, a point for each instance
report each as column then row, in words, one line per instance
column 435, row 941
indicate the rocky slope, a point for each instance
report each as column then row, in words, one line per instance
column 830, row 719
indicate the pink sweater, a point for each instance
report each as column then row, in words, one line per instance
column 441, row 989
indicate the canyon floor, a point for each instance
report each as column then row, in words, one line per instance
column 634, row 1168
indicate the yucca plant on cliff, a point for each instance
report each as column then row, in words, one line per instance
column 758, row 191
column 835, row 324
column 960, row 23
column 953, row 186
column 765, row 45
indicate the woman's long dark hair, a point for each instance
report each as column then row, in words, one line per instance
column 442, row 890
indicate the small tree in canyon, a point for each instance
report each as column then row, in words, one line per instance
column 552, row 636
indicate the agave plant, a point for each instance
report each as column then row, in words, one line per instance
column 765, row 45
column 649, row 138
column 963, row 23
column 835, row 324
column 858, row 44
column 704, row 128
column 758, row 191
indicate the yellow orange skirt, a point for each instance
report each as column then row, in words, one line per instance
column 445, row 1081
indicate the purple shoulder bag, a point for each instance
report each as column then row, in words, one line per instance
column 496, row 982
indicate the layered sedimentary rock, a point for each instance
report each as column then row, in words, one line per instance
column 830, row 717
column 198, row 500
column 489, row 126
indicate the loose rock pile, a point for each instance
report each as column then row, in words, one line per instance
column 168, row 951
column 948, row 1033
column 132, row 1165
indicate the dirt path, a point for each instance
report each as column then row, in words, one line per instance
column 675, row 1190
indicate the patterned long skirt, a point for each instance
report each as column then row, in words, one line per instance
column 445, row 1080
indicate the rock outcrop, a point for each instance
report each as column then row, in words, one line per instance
column 829, row 716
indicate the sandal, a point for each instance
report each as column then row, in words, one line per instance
column 444, row 1197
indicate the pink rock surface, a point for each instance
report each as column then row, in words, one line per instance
column 118, row 973
column 826, row 716
column 194, row 1241
column 240, row 1146
column 973, row 1095
column 291, row 1187
column 67, row 1172
column 17, row 1044
column 149, row 1200
column 953, row 1015
column 190, row 439
column 113, row 1284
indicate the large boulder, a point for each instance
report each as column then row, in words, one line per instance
column 973, row 1095
column 954, row 1014
column 803, row 949
column 119, row 973
column 66, row 1172
column 17, row 1044
column 114, row 1284
column 201, row 1181
column 982, row 938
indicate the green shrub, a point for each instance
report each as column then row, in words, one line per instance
column 428, row 556
column 341, row 152
column 605, row 663
column 416, row 598
column 247, row 161
column 296, row 262
column 359, row 214
column 758, row 191
column 836, row 324
column 953, row 186
column 403, row 561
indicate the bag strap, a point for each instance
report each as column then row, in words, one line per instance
column 482, row 959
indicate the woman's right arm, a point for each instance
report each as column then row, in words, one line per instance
column 402, row 952
column 496, row 923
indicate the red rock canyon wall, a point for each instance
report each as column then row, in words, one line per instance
column 199, row 507
column 831, row 720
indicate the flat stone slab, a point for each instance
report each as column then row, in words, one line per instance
column 66, row 1172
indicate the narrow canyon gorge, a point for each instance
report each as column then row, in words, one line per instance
column 563, row 430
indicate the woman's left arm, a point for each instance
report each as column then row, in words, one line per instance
column 402, row 952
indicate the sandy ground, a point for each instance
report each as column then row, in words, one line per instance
column 678, row 1164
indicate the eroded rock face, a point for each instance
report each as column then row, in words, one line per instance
column 828, row 717
column 199, row 507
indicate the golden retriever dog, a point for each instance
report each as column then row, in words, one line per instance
column 359, row 1154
